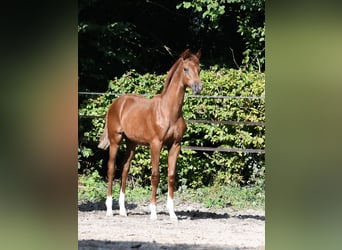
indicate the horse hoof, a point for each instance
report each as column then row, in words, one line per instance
column 173, row 218
column 153, row 209
column 109, row 213
column 153, row 217
column 123, row 213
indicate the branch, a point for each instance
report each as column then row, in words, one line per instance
column 237, row 65
column 163, row 7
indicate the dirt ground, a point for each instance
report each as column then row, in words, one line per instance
column 197, row 228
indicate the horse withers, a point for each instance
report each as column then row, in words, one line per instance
column 155, row 122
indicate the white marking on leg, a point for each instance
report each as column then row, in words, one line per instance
column 153, row 209
column 109, row 204
column 170, row 207
column 122, row 204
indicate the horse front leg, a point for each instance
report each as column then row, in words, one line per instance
column 172, row 161
column 155, row 177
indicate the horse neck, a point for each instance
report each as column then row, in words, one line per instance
column 173, row 96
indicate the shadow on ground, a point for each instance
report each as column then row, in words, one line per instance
column 194, row 215
column 121, row 245
column 182, row 214
column 100, row 206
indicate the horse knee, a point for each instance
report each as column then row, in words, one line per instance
column 110, row 169
column 155, row 177
column 171, row 178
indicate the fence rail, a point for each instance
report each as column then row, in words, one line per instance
column 197, row 148
column 191, row 96
column 245, row 123
column 227, row 150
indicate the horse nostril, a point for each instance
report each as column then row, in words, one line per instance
column 199, row 87
column 196, row 88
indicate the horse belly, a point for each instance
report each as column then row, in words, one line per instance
column 139, row 133
column 136, row 124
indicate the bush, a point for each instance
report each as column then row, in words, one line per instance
column 194, row 169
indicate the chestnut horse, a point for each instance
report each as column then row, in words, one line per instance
column 155, row 122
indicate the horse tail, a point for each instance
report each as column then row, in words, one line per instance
column 104, row 141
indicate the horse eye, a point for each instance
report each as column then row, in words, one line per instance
column 186, row 69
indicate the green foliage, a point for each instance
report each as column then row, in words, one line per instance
column 91, row 187
column 218, row 196
column 211, row 10
column 194, row 169
column 249, row 16
column 117, row 36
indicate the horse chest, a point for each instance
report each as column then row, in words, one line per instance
column 175, row 131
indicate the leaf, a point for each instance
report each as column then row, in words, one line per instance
column 187, row 5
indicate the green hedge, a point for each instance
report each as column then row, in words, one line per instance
column 194, row 169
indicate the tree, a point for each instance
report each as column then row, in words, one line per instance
column 249, row 15
column 117, row 36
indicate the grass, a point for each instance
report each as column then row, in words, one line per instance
column 219, row 196
column 92, row 188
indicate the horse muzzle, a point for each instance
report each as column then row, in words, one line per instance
column 196, row 88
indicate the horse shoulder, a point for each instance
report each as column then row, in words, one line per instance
column 176, row 131
column 180, row 127
column 160, row 114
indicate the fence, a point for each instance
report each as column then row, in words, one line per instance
column 197, row 148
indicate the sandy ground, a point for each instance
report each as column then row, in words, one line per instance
column 197, row 228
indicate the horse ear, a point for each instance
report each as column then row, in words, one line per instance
column 186, row 54
column 199, row 53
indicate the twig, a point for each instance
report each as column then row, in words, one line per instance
column 237, row 65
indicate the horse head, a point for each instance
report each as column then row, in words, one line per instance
column 191, row 70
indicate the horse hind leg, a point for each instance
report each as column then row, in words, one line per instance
column 113, row 150
column 126, row 165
